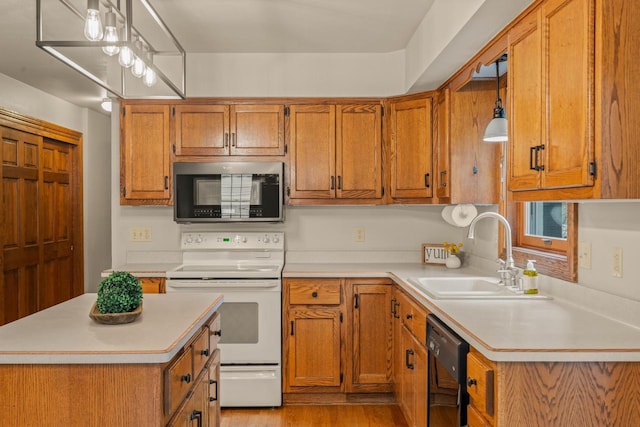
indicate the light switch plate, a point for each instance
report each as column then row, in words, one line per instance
column 584, row 255
column 617, row 262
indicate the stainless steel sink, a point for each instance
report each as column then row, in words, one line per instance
column 468, row 287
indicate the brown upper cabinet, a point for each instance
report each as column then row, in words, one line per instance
column 221, row 130
column 551, row 84
column 573, row 96
column 336, row 153
column 145, row 172
column 411, row 151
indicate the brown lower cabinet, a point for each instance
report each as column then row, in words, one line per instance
column 336, row 338
column 410, row 357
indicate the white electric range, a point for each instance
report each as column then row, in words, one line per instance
column 246, row 267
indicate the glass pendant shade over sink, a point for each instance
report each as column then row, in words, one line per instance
column 102, row 42
column 497, row 130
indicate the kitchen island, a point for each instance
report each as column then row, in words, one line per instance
column 59, row 367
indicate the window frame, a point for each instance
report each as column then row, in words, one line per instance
column 555, row 262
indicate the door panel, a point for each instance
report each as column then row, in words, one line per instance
column 20, row 185
column 257, row 130
column 359, row 146
column 411, row 139
column 312, row 130
column 201, row 130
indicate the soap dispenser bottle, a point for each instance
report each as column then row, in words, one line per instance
column 530, row 278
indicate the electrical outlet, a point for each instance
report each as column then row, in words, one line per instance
column 584, row 255
column 140, row 234
column 358, row 234
column 617, row 262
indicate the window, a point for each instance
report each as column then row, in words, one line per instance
column 546, row 232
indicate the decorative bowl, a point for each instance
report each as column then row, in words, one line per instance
column 114, row 318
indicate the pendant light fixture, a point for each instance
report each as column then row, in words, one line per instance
column 110, row 34
column 113, row 46
column 497, row 128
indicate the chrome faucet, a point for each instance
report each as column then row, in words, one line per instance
column 508, row 270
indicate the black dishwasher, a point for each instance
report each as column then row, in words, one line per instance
column 447, row 390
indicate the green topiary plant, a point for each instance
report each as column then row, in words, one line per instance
column 120, row 292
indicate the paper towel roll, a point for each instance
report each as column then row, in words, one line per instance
column 459, row 215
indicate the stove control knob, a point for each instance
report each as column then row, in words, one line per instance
column 199, row 239
column 244, row 239
column 266, row 239
column 189, row 239
column 240, row 239
column 276, row 239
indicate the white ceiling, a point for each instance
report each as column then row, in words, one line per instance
column 240, row 26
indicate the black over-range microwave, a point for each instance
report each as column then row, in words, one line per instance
column 228, row 192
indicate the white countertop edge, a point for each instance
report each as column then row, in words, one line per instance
column 133, row 357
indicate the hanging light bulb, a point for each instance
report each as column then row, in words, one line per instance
column 149, row 79
column 138, row 67
column 92, row 23
column 110, row 34
column 126, row 56
column 496, row 130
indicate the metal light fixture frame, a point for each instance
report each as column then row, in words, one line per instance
column 50, row 46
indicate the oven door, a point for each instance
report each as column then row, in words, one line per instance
column 249, row 318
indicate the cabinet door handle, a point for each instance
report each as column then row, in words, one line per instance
column 233, row 139
column 409, row 352
column 339, row 182
column 226, row 139
column 197, row 415
column 538, row 165
column 205, row 352
column 292, row 330
column 333, row 182
column 395, row 310
column 426, row 180
column 532, row 150
column 166, row 182
column 211, row 398
column 357, row 301
column 393, row 307
column 186, row 378
column 442, row 179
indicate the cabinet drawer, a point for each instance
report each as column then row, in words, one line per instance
column 178, row 379
column 480, row 385
column 152, row 285
column 326, row 292
column 201, row 350
column 414, row 318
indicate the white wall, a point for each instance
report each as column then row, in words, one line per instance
column 24, row 99
column 295, row 75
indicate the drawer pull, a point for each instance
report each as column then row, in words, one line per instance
column 205, row 352
column 186, row 378
column 314, row 294
column 197, row 414
column 471, row 382
column 218, row 333
column 409, row 316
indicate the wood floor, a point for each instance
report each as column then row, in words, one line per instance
column 315, row 416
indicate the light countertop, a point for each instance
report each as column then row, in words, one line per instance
column 502, row 330
column 505, row 330
column 64, row 333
